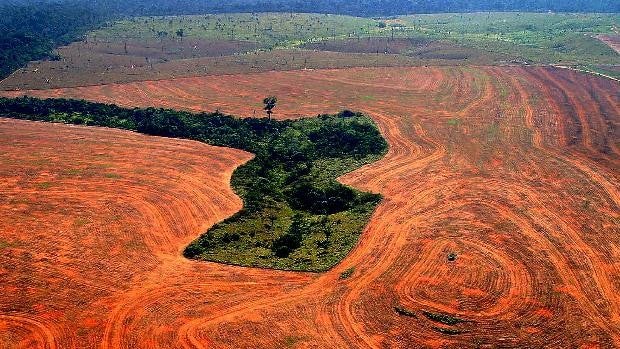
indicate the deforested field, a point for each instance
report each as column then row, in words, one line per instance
column 499, row 224
column 160, row 48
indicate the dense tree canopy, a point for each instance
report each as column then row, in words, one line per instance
column 32, row 31
column 357, row 8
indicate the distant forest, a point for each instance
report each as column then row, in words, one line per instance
column 363, row 8
column 31, row 29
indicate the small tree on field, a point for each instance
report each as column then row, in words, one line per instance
column 180, row 33
column 270, row 103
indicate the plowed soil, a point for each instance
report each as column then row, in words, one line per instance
column 512, row 171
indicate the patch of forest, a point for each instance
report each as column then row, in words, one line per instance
column 296, row 216
column 31, row 31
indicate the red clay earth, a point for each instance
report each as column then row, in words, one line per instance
column 513, row 170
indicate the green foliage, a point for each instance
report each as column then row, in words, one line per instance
column 454, row 121
column 524, row 37
column 31, row 31
column 288, row 242
column 537, row 38
column 295, row 215
column 6, row 244
column 270, row 103
column 290, row 341
column 404, row 312
column 347, row 273
column 443, row 318
column 44, row 185
column 269, row 30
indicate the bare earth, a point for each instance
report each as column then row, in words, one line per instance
column 516, row 170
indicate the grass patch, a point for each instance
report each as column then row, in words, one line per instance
column 80, row 222
column 269, row 30
column 405, row 312
column 347, row 273
column 541, row 38
column 296, row 216
column 44, row 185
column 443, row 318
column 72, row 172
column 5, row 244
column 454, row 121
column 112, row 176
column 524, row 37
column 291, row 341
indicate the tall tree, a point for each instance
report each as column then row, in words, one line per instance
column 180, row 33
column 270, row 103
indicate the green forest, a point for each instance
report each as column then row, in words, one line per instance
column 296, row 216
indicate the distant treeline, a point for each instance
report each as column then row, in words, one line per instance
column 31, row 29
column 364, row 8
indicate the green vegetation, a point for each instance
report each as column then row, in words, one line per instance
column 443, row 318
column 534, row 38
column 6, row 244
column 526, row 37
column 291, row 341
column 269, row 30
column 80, row 221
column 295, row 215
column 44, row 185
column 405, row 312
column 454, row 121
column 30, row 32
column 270, row 103
column 357, row 8
column 347, row 273
column 112, row 176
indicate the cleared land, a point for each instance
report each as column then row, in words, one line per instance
column 296, row 216
column 499, row 226
column 154, row 48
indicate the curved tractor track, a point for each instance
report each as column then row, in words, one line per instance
column 512, row 172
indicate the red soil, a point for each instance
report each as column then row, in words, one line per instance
column 515, row 170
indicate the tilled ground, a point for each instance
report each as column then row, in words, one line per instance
column 499, row 225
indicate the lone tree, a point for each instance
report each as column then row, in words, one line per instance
column 270, row 103
column 180, row 33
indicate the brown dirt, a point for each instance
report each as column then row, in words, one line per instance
column 513, row 169
column 418, row 48
column 157, row 50
column 95, row 66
